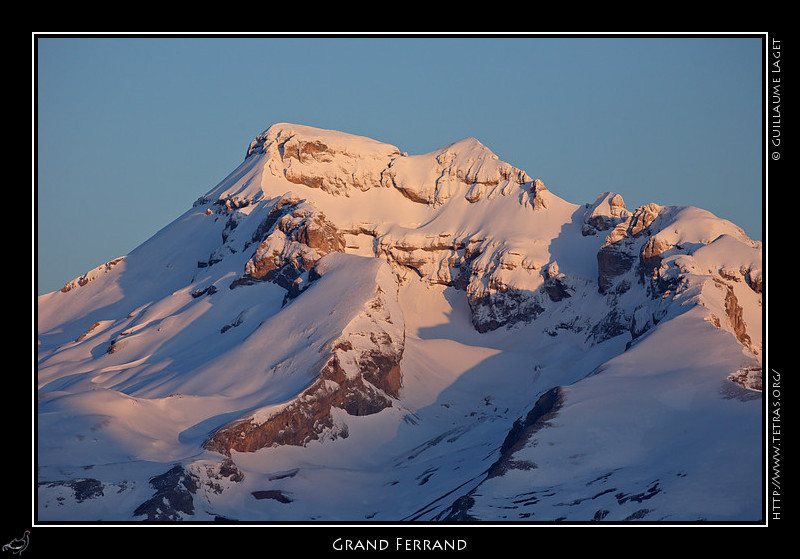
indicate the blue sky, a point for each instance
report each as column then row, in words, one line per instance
column 131, row 131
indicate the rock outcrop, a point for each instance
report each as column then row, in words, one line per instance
column 464, row 166
column 544, row 410
column 91, row 275
column 605, row 213
column 619, row 253
column 332, row 162
column 296, row 235
column 173, row 498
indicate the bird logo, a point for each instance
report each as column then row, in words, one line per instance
column 18, row 545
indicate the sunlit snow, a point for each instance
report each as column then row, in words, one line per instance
column 139, row 362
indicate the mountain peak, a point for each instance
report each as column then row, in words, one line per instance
column 341, row 164
column 469, row 147
column 308, row 140
column 438, row 336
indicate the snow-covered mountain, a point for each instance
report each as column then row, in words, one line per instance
column 340, row 331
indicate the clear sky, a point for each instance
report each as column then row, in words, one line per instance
column 130, row 131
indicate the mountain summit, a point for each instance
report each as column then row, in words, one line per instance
column 340, row 331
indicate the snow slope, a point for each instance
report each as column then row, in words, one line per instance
column 339, row 331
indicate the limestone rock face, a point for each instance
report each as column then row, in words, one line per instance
column 297, row 235
column 316, row 158
column 605, row 213
column 618, row 254
column 436, row 177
